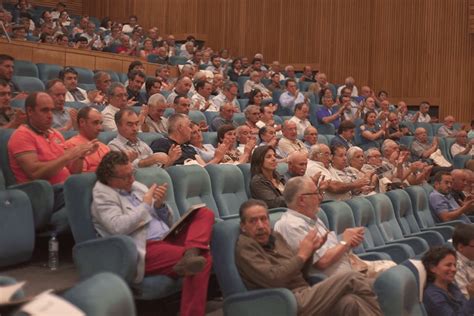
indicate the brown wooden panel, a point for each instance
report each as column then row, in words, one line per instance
column 19, row 50
column 49, row 56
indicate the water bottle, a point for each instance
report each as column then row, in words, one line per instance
column 53, row 247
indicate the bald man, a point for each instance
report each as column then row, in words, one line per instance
column 462, row 146
column 447, row 130
column 297, row 163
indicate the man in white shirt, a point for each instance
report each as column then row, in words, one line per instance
column 303, row 199
column 118, row 98
column 254, row 83
column 228, row 95
column 423, row 116
column 462, row 146
column 69, row 77
column 301, row 118
column 289, row 142
column 200, row 100
column 292, row 96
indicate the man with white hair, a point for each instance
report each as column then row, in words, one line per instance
column 422, row 148
column 349, row 83
column 310, row 137
column 290, row 73
column 254, row 83
column 289, row 142
column 447, row 130
column 334, row 257
column 155, row 121
column 319, row 162
column 462, row 146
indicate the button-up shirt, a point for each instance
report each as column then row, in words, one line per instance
column 287, row 146
column 464, row 274
column 294, row 226
column 443, row 203
column 120, row 143
column 289, row 101
column 301, row 125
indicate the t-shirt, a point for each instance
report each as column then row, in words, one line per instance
column 92, row 161
column 47, row 147
column 163, row 145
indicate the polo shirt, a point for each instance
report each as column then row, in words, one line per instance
column 441, row 203
column 47, row 147
column 325, row 112
column 92, row 161
column 163, row 145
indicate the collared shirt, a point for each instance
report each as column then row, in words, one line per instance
column 199, row 103
column 301, row 125
column 289, row 101
column 220, row 99
column 464, row 273
column 340, row 176
column 61, row 118
column 251, row 85
column 456, row 149
column 174, row 94
column 108, row 116
column 444, row 131
column 92, row 161
column 120, row 143
column 443, row 203
column 325, row 112
column 47, row 147
column 339, row 140
column 219, row 121
column 287, row 146
column 424, row 118
column 158, row 127
column 439, row 302
column 294, row 226
column 417, row 148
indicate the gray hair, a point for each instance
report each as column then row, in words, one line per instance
column 386, row 143
column 316, row 150
column 229, row 84
column 113, row 86
column 174, row 121
column 251, row 108
column 99, row 75
column 293, row 187
column 369, row 151
column 351, row 152
column 156, row 99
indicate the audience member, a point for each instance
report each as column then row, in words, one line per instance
column 349, row 83
column 89, row 123
column 136, row 80
column 462, row 146
column 345, row 134
column 228, row 95
column 64, row 119
column 200, row 100
column 292, row 96
column 155, row 122
column 226, row 113
column 372, row 133
column 265, row 183
column 69, row 77
column 7, row 68
column 441, row 295
column 289, row 142
column 124, row 206
column 310, row 137
column 300, row 118
column 118, row 98
column 252, row 116
column 226, row 136
column 265, row 260
column 327, row 115
column 297, row 164
column 254, row 83
column 422, row 116
column 448, row 130
column 182, row 89
column 9, row 117
column 463, row 242
column 423, row 149
column 442, row 203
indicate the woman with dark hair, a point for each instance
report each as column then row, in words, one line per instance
column 226, row 135
column 442, row 296
column 255, row 97
column 235, row 70
column 371, row 132
column 266, row 184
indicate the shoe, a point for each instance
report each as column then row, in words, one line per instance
column 190, row 264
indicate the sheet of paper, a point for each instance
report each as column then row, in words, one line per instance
column 6, row 292
column 47, row 304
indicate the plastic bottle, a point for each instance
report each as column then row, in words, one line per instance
column 53, row 247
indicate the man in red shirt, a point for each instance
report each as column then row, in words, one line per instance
column 37, row 151
column 89, row 122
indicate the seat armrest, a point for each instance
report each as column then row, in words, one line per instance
column 373, row 256
column 41, row 195
column 275, row 302
column 450, row 223
column 446, row 231
column 398, row 252
column 116, row 254
column 431, row 237
column 418, row 245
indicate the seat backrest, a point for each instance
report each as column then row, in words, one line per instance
column 241, row 82
column 397, row 292
column 197, row 117
column 421, row 208
column 209, row 138
column 448, row 143
column 69, row 134
column 28, row 84
column 385, row 217
column 106, row 137
column 113, row 75
column 322, row 139
column 427, row 127
column 25, row 68
column 282, row 168
column 407, row 140
column 152, row 175
column 245, row 168
column 403, row 211
column 239, row 118
column 17, row 232
column 192, row 185
column 78, row 197
column 48, row 71
column 364, row 215
column 228, row 188
column 84, row 75
column 435, row 127
column 243, row 103
column 148, row 138
column 5, row 135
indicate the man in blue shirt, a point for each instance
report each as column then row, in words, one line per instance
column 442, row 203
column 329, row 115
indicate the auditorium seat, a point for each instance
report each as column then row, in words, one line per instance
column 241, row 82
column 113, row 75
column 152, row 175
column 460, row 161
column 106, row 137
column 228, row 188
column 209, row 138
column 48, row 71
column 243, row 103
column 115, row 296
column 422, row 212
column 389, row 228
column 326, row 129
column 210, row 116
column 339, row 218
column 28, row 84
column 168, row 112
column 427, row 126
column 18, row 103
column 17, row 235
column 87, row 86
column 84, row 75
column 177, row 60
column 148, row 138
column 197, row 116
column 116, row 254
column 192, row 185
column 245, row 168
column 364, row 215
column 238, row 300
column 397, row 292
column 404, row 214
column 25, row 68
column 448, row 143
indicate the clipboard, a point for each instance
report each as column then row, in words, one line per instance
column 176, row 228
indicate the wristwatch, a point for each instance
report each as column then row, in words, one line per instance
column 344, row 243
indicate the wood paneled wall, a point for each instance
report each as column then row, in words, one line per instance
column 413, row 49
